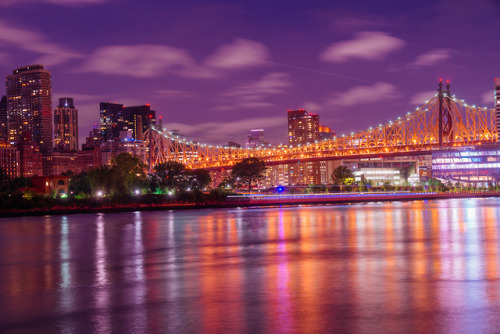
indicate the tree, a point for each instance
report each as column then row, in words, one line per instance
column 3, row 179
column 249, row 170
column 342, row 175
column 79, row 184
column 130, row 171
column 171, row 174
column 198, row 178
column 101, row 179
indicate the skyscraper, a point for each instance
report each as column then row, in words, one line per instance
column 111, row 120
column 303, row 127
column 115, row 118
column 497, row 104
column 66, row 125
column 3, row 119
column 139, row 119
column 29, row 106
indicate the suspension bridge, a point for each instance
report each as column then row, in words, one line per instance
column 443, row 122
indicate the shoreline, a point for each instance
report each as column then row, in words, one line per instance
column 247, row 202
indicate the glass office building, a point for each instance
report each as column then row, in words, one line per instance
column 475, row 165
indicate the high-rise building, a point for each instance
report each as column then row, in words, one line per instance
column 111, row 120
column 93, row 140
column 256, row 138
column 3, row 119
column 116, row 119
column 29, row 106
column 66, row 125
column 139, row 119
column 30, row 156
column 303, row 127
column 497, row 104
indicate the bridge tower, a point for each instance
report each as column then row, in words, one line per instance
column 445, row 126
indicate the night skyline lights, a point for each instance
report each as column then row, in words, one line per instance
column 247, row 63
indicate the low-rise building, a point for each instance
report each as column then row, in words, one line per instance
column 111, row 149
column 472, row 166
column 10, row 161
column 47, row 185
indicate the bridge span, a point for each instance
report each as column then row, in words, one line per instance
column 443, row 122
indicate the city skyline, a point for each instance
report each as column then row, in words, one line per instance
column 216, row 71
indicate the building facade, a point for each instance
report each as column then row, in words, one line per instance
column 66, row 125
column 256, row 139
column 472, row 166
column 29, row 106
column 10, row 161
column 115, row 119
column 111, row 149
column 303, row 129
column 88, row 159
column 3, row 120
column 56, row 163
column 497, row 104
column 30, row 157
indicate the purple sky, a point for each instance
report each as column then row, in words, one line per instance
column 214, row 71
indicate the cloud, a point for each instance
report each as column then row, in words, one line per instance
column 488, row 97
column 150, row 60
column 346, row 23
column 370, row 45
column 379, row 91
column 51, row 53
column 420, row 98
column 313, row 107
column 242, row 53
column 78, row 98
column 174, row 93
column 55, row 2
column 271, row 83
column 432, row 57
column 255, row 94
column 140, row 61
column 217, row 131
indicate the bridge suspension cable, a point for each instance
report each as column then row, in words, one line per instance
column 444, row 121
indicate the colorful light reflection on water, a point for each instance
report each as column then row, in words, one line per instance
column 419, row 267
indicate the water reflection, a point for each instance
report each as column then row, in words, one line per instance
column 367, row 268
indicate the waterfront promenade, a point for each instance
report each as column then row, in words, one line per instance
column 250, row 200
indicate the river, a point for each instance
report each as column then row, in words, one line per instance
column 399, row 267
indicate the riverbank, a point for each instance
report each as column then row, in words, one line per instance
column 251, row 201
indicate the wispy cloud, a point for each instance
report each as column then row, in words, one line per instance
column 369, row 45
column 140, row 61
column 55, row 2
column 432, row 57
column 421, row 97
column 77, row 97
column 50, row 53
column 175, row 93
column 217, row 131
column 240, row 54
column 488, row 97
column 150, row 60
column 255, row 94
column 359, row 95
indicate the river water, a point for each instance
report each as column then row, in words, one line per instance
column 401, row 267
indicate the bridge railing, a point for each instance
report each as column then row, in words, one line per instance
column 420, row 130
